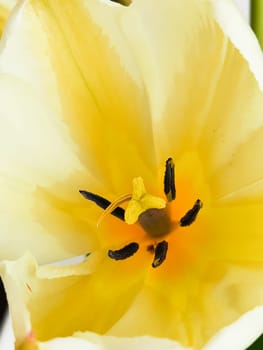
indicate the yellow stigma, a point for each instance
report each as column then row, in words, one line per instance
column 141, row 201
column 150, row 213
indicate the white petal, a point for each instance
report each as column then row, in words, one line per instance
column 69, row 343
column 9, row 4
column 158, row 33
column 239, row 335
column 242, row 36
column 54, row 133
column 91, row 341
column 7, row 338
column 13, row 274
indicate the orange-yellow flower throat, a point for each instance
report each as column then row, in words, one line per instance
column 149, row 212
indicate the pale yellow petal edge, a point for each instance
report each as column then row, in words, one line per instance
column 235, row 27
column 239, row 335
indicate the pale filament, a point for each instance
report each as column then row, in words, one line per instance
column 122, row 199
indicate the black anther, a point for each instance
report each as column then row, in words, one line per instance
column 124, row 252
column 169, row 180
column 191, row 215
column 160, row 253
column 103, row 203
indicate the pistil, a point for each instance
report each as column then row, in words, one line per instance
column 156, row 222
column 150, row 212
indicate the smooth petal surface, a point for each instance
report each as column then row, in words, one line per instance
column 49, row 181
column 89, row 341
column 186, row 308
column 239, row 335
column 8, row 4
column 100, row 90
column 236, row 233
column 211, row 105
column 33, row 298
column 199, row 101
column 249, row 185
column 106, row 93
column 68, row 101
column 53, row 304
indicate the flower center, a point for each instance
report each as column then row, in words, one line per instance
column 156, row 222
column 149, row 211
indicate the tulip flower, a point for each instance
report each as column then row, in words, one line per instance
column 132, row 134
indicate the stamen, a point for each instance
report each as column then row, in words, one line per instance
column 169, row 181
column 191, row 215
column 113, row 206
column 160, row 253
column 103, row 203
column 124, row 252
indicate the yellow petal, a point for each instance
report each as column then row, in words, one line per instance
column 203, row 93
column 54, row 303
column 20, row 281
column 47, row 221
column 89, row 82
column 238, row 335
column 172, row 311
column 196, row 108
column 235, row 232
column 134, row 306
column 161, row 40
column 3, row 16
column 60, row 135
column 238, row 291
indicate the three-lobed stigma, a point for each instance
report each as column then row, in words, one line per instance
column 149, row 212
